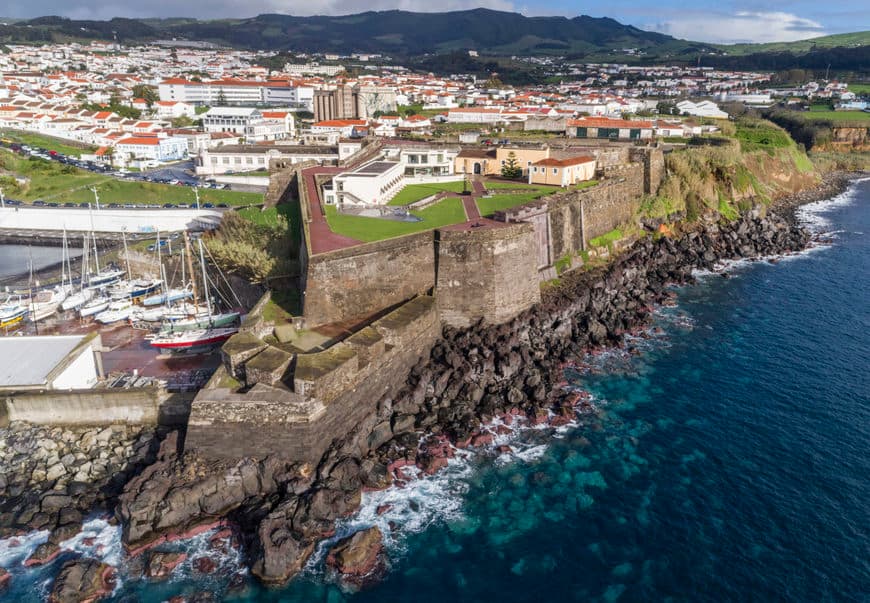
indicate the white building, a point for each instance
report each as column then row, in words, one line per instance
column 249, row 122
column 173, row 109
column 59, row 362
column 230, row 159
column 374, row 183
column 147, row 148
column 236, row 92
column 702, row 109
column 421, row 161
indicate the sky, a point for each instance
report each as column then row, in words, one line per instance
column 722, row 21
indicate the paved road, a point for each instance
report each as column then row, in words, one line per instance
column 179, row 171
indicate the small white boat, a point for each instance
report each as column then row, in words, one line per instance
column 77, row 300
column 117, row 311
column 148, row 315
column 95, row 306
column 134, row 289
column 45, row 303
column 105, row 277
column 12, row 312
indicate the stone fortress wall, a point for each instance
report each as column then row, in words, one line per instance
column 312, row 398
column 296, row 404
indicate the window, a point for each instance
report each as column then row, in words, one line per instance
column 555, row 170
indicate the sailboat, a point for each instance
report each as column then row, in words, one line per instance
column 48, row 301
column 103, row 277
column 197, row 337
column 116, row 311
column 79, row 298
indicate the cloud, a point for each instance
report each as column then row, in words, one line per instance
column 744, row 26
column 88, row 9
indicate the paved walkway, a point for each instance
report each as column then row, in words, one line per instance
column 471, row 210
column 322, row 238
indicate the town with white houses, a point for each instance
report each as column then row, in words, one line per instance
column 145, row 106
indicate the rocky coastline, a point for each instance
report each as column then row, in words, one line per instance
column 278, row 511
column 472, row 376
column 53, row 477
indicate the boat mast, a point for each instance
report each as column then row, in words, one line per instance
column 126, row 254
column 204, row 280
column 85, row 267
column 190, row 269
column 94, row 235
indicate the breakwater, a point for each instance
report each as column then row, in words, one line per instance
column 284, row 509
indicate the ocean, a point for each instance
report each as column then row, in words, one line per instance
column 728, row 461
column 15, row 259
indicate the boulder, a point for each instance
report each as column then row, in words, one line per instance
column 44, row 553
column 5, row 578
column 204, row 565
column 81, row 581
column 358, row 555
column 161, row 565
column 279, row 554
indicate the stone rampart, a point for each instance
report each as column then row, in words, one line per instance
column 487, row 273
column 321, row 398
column 353, row 283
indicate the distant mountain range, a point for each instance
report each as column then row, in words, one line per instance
column 408, row 34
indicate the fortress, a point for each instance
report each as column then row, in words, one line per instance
column 385, row 304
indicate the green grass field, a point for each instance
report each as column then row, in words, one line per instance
column 45, row 142
column 489, row 206
column 495, row 185
column 415, row 192
column 859, row 88
column 446, row 212
column 55, row 182
column 838, row 116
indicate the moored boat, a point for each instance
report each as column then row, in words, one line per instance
column 185, row 340
column 45, row 303
column 12, row 312
column 169, row 296
column 116, row 311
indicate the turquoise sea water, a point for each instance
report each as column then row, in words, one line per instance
column 730, row 461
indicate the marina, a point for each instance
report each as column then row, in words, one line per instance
column 166, row 328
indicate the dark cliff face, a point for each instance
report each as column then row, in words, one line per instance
column 471, row 376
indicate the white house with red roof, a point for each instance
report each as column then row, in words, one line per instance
column 150, row 149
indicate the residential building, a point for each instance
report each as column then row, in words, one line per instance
column 346, row 128
column 149, row 148
column 251, row 123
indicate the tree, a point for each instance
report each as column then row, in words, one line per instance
column 221, row 98
column 147, row 93
column 182, row 122
column 511, row 168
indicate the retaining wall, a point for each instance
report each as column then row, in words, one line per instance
column 141, row 406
